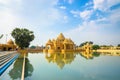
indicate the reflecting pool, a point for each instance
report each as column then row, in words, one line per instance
column 67, row 66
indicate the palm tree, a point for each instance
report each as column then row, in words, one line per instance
column 1, row 36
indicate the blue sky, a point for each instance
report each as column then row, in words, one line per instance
column 80, row 20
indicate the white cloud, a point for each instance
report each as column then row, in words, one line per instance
column 8, row 20
column 10, row 2
column 100, row 31
column 69, row 1
column 65, row 19
column 62, row 7
column 115, row 16
column 84, row 32
column 13, row 15
column 89, row 3
column 99, row 4
column 102, row 19
column 104, row 5
column 5, row 1
column 86, row 14
column 48, row 13
column 92, row 31
column 75, row 13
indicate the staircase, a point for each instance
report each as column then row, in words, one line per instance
column 7, row 58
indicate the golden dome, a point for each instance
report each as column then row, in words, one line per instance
column 49, row 41
column 71, row 41
column 61, row 37
column 66, row 41
column 10, row 42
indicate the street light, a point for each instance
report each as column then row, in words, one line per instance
column 6, row 37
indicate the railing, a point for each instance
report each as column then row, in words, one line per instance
column 23, row 69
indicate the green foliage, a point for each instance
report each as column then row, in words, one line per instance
column 118, row 45
column 82, row 44
column 16, row 71
column 22, row 37
column 104, row 46
column 95, row 47
column 32, row 47
column 1, row 36
column 96, row 54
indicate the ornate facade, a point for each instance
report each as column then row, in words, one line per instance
column 61, row 44
column 7, row 47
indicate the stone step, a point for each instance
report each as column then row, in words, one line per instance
column 5, row 56
column 6, row 60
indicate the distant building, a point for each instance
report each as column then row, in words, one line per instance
column 110, row 48
column 7, row 47
column 87, row 47
column 61, row 44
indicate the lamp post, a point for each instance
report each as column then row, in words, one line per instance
column 6, row 37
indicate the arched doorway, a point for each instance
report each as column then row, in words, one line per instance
column 9, row 48
column 4, row 48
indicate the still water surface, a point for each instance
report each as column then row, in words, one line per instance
column 69, row 66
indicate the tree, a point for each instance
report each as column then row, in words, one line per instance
column 1, row 36
column 82, row 44
column 90, row 42
column 95, row 47
column 32, row 47
column 118, row 45
column 22, row 37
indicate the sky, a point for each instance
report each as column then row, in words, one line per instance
column 80, row 20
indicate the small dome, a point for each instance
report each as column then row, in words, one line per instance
column 49, row 41
column 61, row 37
column 10, row 42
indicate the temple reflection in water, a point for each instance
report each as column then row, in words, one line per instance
column 62, row 59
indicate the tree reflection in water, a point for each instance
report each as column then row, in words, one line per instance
column 16, row 72
column 28, row 68
column 89, row 55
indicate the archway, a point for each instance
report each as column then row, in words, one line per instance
column 9, row 48
column 4, row 48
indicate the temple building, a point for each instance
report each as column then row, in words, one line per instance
column 87, row 47
column 61, row 44
column 8, row 46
